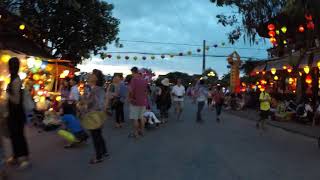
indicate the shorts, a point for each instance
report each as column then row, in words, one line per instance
column 178, row 104
column 136, row 112
column 264, row 114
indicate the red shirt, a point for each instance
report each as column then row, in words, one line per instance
column 138, row 91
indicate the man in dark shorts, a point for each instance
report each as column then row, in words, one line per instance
column 265, row 100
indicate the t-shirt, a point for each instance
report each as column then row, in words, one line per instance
column 178, row 91
column 201, row 93
column 265, row 100
column 138, row 91
column 72, row 123
column 74, row 93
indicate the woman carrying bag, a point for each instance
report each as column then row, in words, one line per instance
column 95, row 117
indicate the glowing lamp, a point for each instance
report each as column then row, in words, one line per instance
column 272, row 34
column 263, row 72
column 284, row 29
column 301, row 28
column 22, row 75
column 289, row 70
column 273, row 71
column 285, row 42
column 291, row 80
column 284, row 67
column 22, row 27
column 271, row 27
column 273, row 40
column 276, row 78
column 308, row 79
column 243, row 84
column 5, row 58
column 306, row 69
column 259, row 86
column 310, row 25
column 36, row 77
column 318, row 64
column 277, row 32
column 58, row 98
column 40, row 93
column 300, row 73
column 257, row 72
column 38, row 63
column 31, row 62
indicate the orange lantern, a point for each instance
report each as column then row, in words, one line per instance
column 273, row 40
column 291, row 80
column 289, row 70
column 263, row 72
column 272, row 34
column 257, row 72
column 301, row 28
column 300, row 73
column 308, row 79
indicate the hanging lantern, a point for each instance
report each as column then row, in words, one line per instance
column 277, row 32
column 22, row 27
column 308, row 17
column 273, row 71
column 36, row 77
column 189, row 53
column 284, row 42
column 109, row 56
column 272, row 34
column 144, row 58
column 276, row 78
column 198, row 50
column 284, row 67
column 300, row 73
column 5, row 58
column 273, row 40
column 180, row 54
column 310, row 25
column 135, row 58
column 284, row 29
column 306, row 69
column 271, row 27
column 118, row 57
column 127, row 57
column 223, row 44
column 308, row 79
column 301, row 28
column 318, row 64
column 257, row 72
column 263, row 72
column 153, row 57
column 291, row 80
column 215, row 46
column 172, row 56
column 289, row 70
column 162, row 56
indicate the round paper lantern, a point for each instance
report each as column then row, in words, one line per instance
column 284, row 29
column 308, row 79
column 198, row 50
column 310, row 25
column 127, row 57
column 301, row 28
column 31, row 62
column 135, row 58
column 180, row 54
column 272, row 34
column 284, row 67
column 22, row 27
column 189, row 53
column 37, row 63
column 162, row 56
column 109, row 56
column 273, row 71
column 271, row 27
column 276, row 78
column 5, row 58
column 22, row 75
column 144, row 58
column 118, row 57
column 306, row 69
column 291, row 80
column 273, row 40
column 318, row 64
column 277, row 32
column 289, row 70
column 172, row 56
column 308, row 17
column 153, row 57
column 257, row 72
column 36, row 77
column 215, row 46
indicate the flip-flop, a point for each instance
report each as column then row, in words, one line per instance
column 95, row 161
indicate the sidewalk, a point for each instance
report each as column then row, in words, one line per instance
column 306, row 130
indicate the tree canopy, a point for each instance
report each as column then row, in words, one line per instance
column 73, row 29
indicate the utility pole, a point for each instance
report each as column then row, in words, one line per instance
column 204, row 56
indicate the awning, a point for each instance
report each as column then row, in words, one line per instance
column 279, row 64
column 304, row 62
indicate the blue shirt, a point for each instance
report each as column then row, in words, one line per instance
column 123, row 91
column 72, row 123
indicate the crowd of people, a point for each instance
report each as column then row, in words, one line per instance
column 77, row 114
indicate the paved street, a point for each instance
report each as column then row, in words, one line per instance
column 182, row 151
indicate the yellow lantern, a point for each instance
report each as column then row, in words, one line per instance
column 273, row 71
column 284, row 42
column 306, row 69
column 257, row 72
column 277, row 32
column 22, row 27
column 291, row 80
column 5, row 58
column 284, row 67
column 36, row 77
column 58, row 98
column 284, row 29
column 289, row 70
column 276, row 78
column 318, row 64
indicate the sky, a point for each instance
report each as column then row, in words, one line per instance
column 174, row 21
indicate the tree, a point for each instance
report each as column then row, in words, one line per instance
column 225, row 80
column 248, row 66
column 212, row 76
column 73, row 29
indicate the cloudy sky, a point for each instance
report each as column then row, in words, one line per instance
column 173, row 21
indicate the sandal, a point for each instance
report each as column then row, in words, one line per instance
column 12, row 161
column 95, row 161
column 132, row 135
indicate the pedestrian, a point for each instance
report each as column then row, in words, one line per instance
column 218, row 98
column 65, row 89
column 164, row 100
column 118, row 96
column 178, row 93
column 95, row 117
column 201, row 94
column 137, row 102
column 16, row 117
column 265, row 100
column 210, row 97
column 74, row 94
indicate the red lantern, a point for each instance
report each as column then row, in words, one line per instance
column 308, row 17
column 301, row 28
column 272, row 34
column 310, row 25
column 109, row 56
column 271, row 27
column 308, row 79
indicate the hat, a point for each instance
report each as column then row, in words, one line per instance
column 165, row 82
